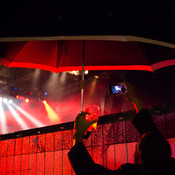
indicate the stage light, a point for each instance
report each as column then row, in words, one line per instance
column 44, row 102
column 15, row 88
column 45, row 93
column 96, row 76
column 5, row 100
column 51, row 113
column 10, row 101
column 3, row 120
column 27, row 100
column 22, row 98
column 86, row 71
column 75, row 72
column 28, row 116
column 17, row 117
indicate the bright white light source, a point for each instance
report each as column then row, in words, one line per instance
column 117, row 88
column 5, row 100
column 10, row 101
column 0, row 99
column 3, row 120
column 86, row 71
column 27, row 100
column 75, row 72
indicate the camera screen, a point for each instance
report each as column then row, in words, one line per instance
column 116, row 89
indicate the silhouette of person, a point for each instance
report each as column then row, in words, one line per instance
column 152, row 154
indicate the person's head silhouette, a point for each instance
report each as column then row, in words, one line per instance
column 152, row 150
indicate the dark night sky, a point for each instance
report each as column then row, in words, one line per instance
column 67, row 18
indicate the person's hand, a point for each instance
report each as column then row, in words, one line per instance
column 81, row 126
column 131, row 96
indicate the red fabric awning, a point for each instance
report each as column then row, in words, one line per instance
column 59, row 56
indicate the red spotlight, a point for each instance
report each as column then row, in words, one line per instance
column 44, row 102
column 17, row 96
column 26, row 100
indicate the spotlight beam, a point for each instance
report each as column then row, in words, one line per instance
column 63, row 78
column 17, row 117
column 3, row 120
column 36, row 78
column 28, row 116
column 52, row 79
column 51, row 113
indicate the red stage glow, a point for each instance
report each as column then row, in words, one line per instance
column 17, row 96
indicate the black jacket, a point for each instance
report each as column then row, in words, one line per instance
column 83, row 164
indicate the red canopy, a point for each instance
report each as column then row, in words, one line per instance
column 59, row 56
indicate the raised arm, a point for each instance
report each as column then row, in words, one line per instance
column 79, row 157
column 143, row 120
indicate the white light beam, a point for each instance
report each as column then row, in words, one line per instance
column 27, row 115
column 17, row 117
column 3, row 120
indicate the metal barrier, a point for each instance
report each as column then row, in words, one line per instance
column 44, row 150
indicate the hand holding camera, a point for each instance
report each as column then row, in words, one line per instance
column 127, row 90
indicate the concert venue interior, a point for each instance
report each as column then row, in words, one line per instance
column 36, row 137
column 38, row 106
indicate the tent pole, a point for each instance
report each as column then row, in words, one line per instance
column 82, row 80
